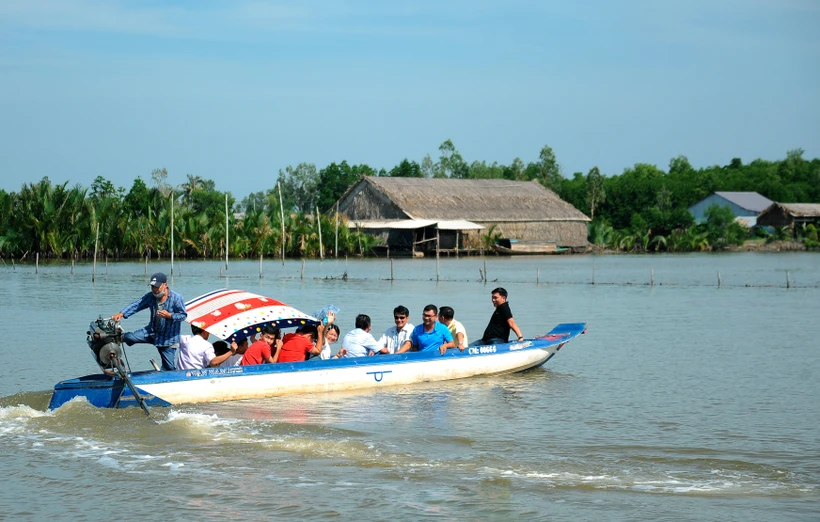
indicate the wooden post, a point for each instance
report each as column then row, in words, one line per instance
column 94, row 265
column 172, row 231
column 226, row 232
column 37, row 263
column 537, row 275
column 788, row 283
column 336, row 250
column 282, row 213
column 718, row 278
column 437, row 253
column 391, row 269
column 72, row 264
column 485, row 270
column 106, row 263
column 260, row 266
column 302, row 274
column 652, row 277
column 321, row 248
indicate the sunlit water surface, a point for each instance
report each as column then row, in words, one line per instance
column 684, row 401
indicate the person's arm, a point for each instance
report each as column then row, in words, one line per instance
column 320, row 341
column 133, row 308
column 405, row 346
column 277, row 347
column 460, row 339
column 448, row 340
column 219, row 359
column 373, row 347
column 514, row 328
column 176, row 312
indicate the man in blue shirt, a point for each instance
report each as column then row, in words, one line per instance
column 167, row 313
column 430, row 334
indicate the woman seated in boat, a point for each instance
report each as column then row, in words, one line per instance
column 331, row 336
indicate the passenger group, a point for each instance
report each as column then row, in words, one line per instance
column 439, row 330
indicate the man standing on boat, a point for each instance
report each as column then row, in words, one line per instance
column 395, row 336
column 167, row 314
column 430, row 334
column 501, row 322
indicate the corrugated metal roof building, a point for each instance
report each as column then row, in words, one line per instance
column 519, row 209
column 743, row 204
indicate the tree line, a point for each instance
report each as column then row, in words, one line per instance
column 644, row 208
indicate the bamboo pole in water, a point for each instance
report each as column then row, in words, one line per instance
column 302, row 273
column 226, row 232
column 437, row 252
column 172, row 232
column 282, row 212
column 336, row 250
column 321, row 248
column 96, row 244
column 37, row 263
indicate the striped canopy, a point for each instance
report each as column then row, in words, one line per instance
column 236, row 314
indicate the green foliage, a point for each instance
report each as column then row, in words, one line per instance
column 643, row 209
column 721, row 228
column 490, row 238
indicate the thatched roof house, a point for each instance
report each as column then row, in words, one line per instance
column 523, row 210
column 789, row 214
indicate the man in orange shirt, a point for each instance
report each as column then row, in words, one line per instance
column 260, row 351
column 307, row 340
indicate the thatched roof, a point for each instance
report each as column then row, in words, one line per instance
column 801, row 209
column 481, row 200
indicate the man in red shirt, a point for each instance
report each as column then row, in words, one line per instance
column 308, row 340
column 260, row 351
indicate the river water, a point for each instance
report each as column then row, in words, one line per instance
column 684, row 401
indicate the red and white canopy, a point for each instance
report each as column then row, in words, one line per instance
column 236, row 314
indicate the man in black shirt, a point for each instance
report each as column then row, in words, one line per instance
column 501, row 322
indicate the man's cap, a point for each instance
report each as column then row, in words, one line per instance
column 157, row 279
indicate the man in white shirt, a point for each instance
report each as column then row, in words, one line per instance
column 395, row 336
column 359, row 342
column 195, row 352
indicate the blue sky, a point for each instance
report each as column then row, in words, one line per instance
column 235, row 91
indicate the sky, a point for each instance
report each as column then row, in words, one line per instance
column 236, row 91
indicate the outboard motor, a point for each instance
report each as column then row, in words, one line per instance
column 105, row 340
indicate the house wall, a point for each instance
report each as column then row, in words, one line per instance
column 774, row 217
column 563, row 233
column 698, row 209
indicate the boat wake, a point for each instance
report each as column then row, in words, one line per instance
column 196, row 442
